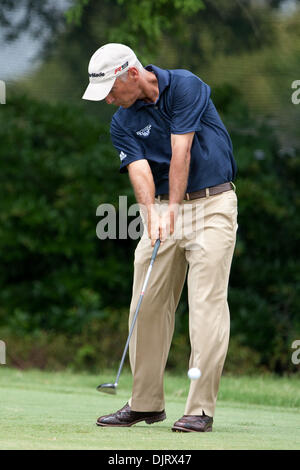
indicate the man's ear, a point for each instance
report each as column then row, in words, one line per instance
column 133, row 72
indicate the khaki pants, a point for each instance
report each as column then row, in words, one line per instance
column 201, row 247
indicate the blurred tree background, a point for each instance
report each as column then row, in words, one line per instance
column 65, row 294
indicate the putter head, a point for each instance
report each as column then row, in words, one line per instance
column 108, row 388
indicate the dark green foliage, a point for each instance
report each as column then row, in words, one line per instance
column 57, row 167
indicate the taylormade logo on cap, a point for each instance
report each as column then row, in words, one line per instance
column 106, row 64
column 101, row 74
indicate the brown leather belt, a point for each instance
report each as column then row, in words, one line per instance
column 220, row 188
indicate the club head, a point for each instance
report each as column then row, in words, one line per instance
column 108, row 388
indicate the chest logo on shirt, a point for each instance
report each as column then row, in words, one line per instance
column 145, row 132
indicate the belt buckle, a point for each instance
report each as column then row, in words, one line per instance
column 187, row 196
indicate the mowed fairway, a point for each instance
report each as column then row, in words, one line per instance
column 47, row 410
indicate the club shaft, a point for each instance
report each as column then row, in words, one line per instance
column 155, row 250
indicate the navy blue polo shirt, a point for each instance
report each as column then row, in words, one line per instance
column 143, row 131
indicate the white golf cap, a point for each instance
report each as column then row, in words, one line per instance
column 107, row 64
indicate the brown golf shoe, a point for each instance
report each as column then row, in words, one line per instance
column 191, row 423
column 126, row 417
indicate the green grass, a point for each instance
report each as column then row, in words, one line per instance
column 47, row 410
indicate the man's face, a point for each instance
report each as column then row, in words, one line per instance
column 123, row 93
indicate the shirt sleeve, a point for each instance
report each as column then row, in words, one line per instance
column 190, row 99
column 127, row 146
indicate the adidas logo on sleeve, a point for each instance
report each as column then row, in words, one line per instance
column 122, row 155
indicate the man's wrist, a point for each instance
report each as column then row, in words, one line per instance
column 174, row 208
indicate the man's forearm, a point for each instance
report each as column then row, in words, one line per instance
column 178, row 176
column 142, row 182
column 179, row 166
column 144, row 188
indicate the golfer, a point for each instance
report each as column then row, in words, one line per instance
column 179, row 157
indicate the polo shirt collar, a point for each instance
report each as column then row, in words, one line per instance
column 163, row 78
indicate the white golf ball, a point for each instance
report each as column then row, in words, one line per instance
column 194, row 373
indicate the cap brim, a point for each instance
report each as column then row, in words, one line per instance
column 98, row 91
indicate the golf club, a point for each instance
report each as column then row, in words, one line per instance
column 112, row 387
